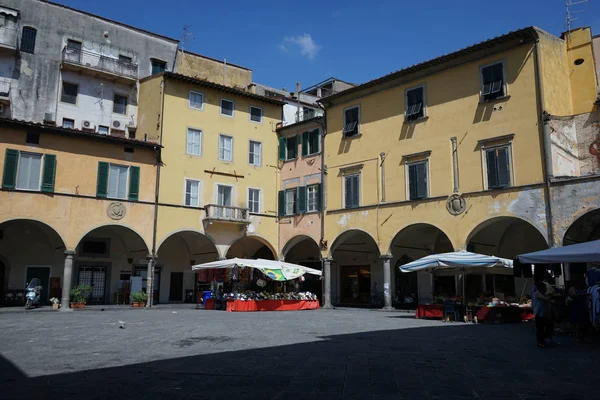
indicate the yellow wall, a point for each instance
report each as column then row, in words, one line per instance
column 150, row 109
column 555, row 75
column 178, row 165
column 453, row 110
column 76, row 175
column 197, row 66
column 583, row 77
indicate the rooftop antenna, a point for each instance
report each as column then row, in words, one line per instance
column 569, row 17
column 186, row 37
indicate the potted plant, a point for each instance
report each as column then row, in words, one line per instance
column 139, row 299
column 79, row 295
column 55, row 303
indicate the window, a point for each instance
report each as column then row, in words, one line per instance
column 192, row 190
column 498, row 167
column 291, row 147
column 417, row 180
column 119, row 104
column 415, row 103
column 254, row 153
column 28, row 39
column 103, row 130
column 125, row 59
column 196, row 100
column 308, row 113
column 313, row 198
column 224, row 195
column 351, row 121
column 311, row 142
column 290, row 201
column 254, row 200
column 158, row 66
column 256, row 114
column 95, row 248
column 194, row 141
column 351, row 191
column 68, row 123
column 227, row 107
column 32, row 138
column 117, row 182
column 69, row 93
column 29, row 171
column 225, row 148
column 493, row 82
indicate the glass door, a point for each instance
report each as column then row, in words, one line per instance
column 94, row 276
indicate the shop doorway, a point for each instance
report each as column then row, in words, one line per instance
column 356, row 284
column 43, row 274
column 94, row 276
column 176, row 286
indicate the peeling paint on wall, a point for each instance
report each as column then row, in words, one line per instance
column 343, row 221
column 530, row 206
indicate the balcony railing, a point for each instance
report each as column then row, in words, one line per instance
column 216, row 212
column 8, row 37
column 99, row 62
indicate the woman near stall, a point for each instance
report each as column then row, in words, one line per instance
column 543, row 314
column 579, row 309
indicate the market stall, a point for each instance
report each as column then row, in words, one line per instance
column 249, row 282
column 479, row 309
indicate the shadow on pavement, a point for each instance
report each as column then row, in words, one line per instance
column 461, row 361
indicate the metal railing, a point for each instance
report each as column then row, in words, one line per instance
column 226, row 213
column 303, row 115
column 99, row 62
column 4, row 87
column 8, row 37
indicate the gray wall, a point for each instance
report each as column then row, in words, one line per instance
column 36, row 77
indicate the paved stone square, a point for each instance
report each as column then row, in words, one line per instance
column 183, row 353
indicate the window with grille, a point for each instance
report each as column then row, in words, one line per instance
column 254, row 153
column 69, row 93
column 120, row 104
column 352, row 191
column 498, row 167
column 415, row 103
column 225, row 148
column 194, row 141
column 417, row 180
column 351, row 121
column 227, row 107
column 28, row 39
column 493, row 81
column 256, row 114
column 192, row 191
column 254, row 200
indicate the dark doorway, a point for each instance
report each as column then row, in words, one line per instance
column 356, row 284
column 43, row 274
column 176, row 287
column 94, row 276
column 2, row 272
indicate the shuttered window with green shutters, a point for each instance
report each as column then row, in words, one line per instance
column 49, row 173
column 281, row 203
column 102, row 185
column 9, row 175
column 301, row 206
column 310, row 142
column 113, row 178
column 33, row 167
column 282, row 149
column 134, row 183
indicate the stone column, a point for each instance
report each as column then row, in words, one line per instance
column 327, row 283
column 67, row 277
column 150, row 281
column 387, row 282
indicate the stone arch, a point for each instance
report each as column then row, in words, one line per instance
column 346, row 234
column 251, row 246
column 296, row 240
column 431, row 231
column 584, row 228
column 117, row 227
column 182, row 230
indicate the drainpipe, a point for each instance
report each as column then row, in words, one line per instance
column 543, row 118
column 382, row 165
column 325, row 263
column 455, row 163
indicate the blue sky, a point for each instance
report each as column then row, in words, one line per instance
column 308, row 41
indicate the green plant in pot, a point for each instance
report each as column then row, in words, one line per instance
column 80, row 295
column 139, row 298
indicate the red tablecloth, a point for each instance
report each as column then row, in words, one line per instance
column 430, row 311
column 503, row 314
column 271, row 305
column 210, row 304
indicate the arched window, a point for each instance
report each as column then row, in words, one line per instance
column 28, row 39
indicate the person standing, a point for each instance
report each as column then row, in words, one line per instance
column 543, row 315
column 579, row 315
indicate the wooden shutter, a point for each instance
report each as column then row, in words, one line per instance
column 49, row 173
column 282, row 148
column 492, row 173
column 281, row 203
column 102, row 184
column 319, row 200
column 134, row 183
column 305, row 144
column 412, row 181
column 9, row 176
column 503, row 168
column 301, row 200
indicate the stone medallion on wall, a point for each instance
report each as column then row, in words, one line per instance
column 116, row 210
column 456, row 204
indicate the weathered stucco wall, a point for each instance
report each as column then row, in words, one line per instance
column 555, row 75
column 581, row 69
column 202, row 67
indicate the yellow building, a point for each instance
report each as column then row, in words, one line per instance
column 77, row 208
column 218, row 177
column 441, row 156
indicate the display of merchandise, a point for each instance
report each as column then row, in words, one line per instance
column 250, row 295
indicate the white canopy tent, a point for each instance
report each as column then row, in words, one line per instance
column 275, row 270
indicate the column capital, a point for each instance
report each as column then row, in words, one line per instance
column 328, row 259
column 149, row 257
column 69, row 253
column 222, row 258
column 385, row 257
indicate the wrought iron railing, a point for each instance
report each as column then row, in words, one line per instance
column 99, row 62
column 8, row 37
column 303, row 115
column 226, row 213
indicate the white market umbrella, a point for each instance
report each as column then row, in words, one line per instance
column 276, row 270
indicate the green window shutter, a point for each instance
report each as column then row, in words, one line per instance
column 301, row 208
column 305, row 144
column 281, row 203
column 319, row 198
column 102, row 185
column 9, row 176
column 134, row 183
column 49, row 173
column 282, row 149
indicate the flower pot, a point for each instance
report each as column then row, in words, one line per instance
column 139, row 305
column 77, row 305
column 55, row 306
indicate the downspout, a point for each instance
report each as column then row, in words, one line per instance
column 325, row 283
column 382, row 165
column 543, row 119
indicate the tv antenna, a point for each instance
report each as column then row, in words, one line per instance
column 570, row 18
column 188, row 37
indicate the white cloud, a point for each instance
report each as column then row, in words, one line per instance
column 308, row 47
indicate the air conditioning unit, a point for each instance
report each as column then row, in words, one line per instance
column 87, row 125
column 49, row 119
column 117, row 125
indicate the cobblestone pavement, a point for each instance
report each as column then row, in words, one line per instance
column 185, row 353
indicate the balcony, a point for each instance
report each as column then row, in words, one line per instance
column 8, row 40
column 217, row 213
column 4, row 91
column 98, row 65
